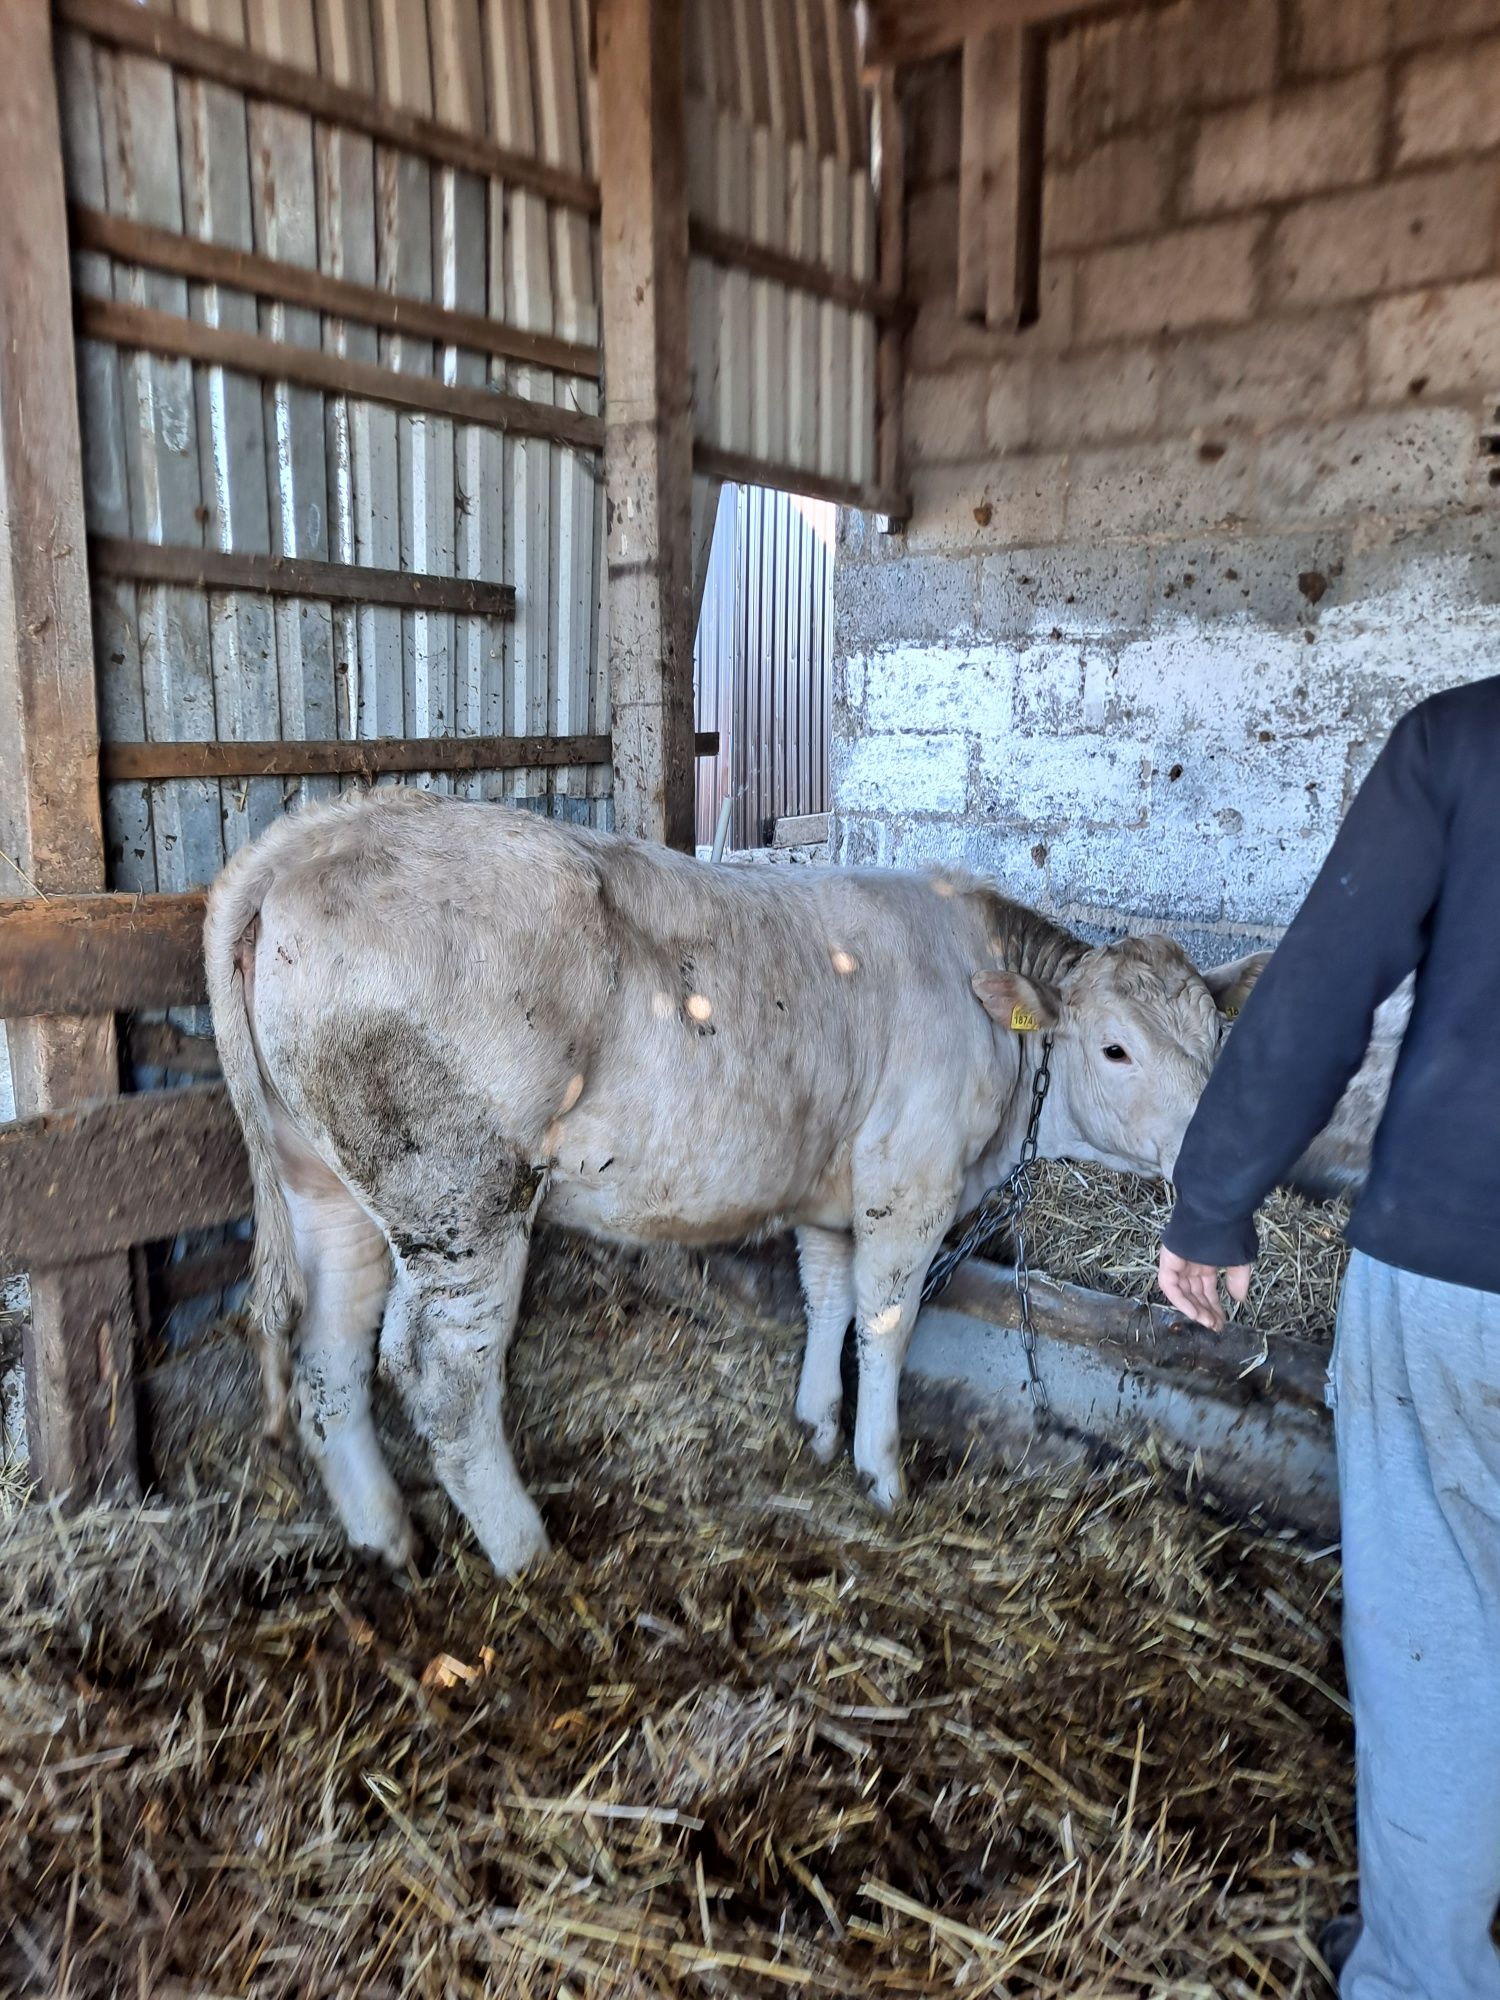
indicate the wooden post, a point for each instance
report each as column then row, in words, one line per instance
column 648, row 450
column 891, row 271
column 1000, row 175
column 79, row 1345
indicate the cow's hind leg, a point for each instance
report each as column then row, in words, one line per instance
column 449, row 1324
column 826, row 1259
column 343, row 1258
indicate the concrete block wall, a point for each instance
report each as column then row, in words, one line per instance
column 1183, row 551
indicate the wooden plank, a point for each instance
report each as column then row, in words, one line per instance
column 804, row 274
column 294, row 576
column 1017, row 118
column 367, row 758
column 978, row 184
column 899, row 32
column 101, row 954
column 648, row 453
column 747, row 470
column 802, row 830
column 163, row 1046
column 273, row 278
column 891, row 265
column 149, row 32
column 141, row 328
column 192, row 1277
column 79, row 1342
column 95, row 1180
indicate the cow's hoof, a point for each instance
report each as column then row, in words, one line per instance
column 885, row 1490
column 389, row 1544
column 823, row 1436
column 517, row 1542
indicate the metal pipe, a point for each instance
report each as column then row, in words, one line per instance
column 721, row 831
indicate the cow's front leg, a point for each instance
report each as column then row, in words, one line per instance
column 890, row 1266
column 826, row 1259
column 447, row 1331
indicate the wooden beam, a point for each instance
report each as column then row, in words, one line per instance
column 278, row 361
column 79, row 1343
column 296, row 576
column 747, row 470
column 100, row 954
column 1017, row 115
column 890, row 128
column 150, row 32
column 742, row 253
column 92, row 1182
column 648, row 450
column 367, row 758
column 295, row 284
column 908, row 31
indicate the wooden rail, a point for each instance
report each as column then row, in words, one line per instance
column 290, row 758
column 194, row 257
column 100, row 954
column 99, row 1179
column 296, row 576
column 278, row 361
column 781, row 267
column 150, row 32
column 746, row 469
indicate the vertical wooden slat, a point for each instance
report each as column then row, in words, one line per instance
column 978, row 113
column 1018, row 117
column 648, row 462
column 891, row 264
column 80, row 1334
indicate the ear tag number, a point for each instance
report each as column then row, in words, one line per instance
column 1230, row 1013
column 1024, row 1022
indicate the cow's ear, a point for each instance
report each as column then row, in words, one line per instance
column 1016, row 1002
column 1231, row 984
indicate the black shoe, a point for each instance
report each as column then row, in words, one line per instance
column 1336, row 1942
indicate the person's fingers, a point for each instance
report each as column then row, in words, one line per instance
column 1237, row 1282
column 1191, row 1288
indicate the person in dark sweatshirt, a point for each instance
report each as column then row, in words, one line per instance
column 1412, row 884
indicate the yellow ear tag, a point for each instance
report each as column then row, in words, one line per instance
column 1230, row 1013
column 1023, row 1021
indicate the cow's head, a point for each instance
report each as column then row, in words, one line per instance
column 1135, row 1028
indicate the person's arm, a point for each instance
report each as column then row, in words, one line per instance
column 1306, row 1026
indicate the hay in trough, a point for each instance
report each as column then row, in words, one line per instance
column 1041, row 1737
column 1088, row 1226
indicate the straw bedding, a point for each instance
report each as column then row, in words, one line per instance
column 739, row 1737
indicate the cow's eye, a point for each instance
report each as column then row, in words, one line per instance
column 1115, row 1054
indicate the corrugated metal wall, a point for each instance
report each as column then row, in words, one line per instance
column 764, row 662
column 778, row 153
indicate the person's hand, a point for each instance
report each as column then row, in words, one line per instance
column 1194, row 1288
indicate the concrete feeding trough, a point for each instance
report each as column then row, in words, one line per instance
column 1240, row 1415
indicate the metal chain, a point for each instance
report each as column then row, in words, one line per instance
column 1004, row 1207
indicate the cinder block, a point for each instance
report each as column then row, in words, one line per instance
column 1230, row 789
column 1276, row 580
column 1158, row 489
column 902, row 774
column 1436, row 573
column 1389, row 463
column 1007, row 416
column 932, row 240
column 943, row 416
column 1420, row 21
column 1067, row 591
column 1046, row 781
column 1210, row 54
column 1428, row 342
column 1095, row 398
column 989, row 503
column 939, row 339
column 1266, row 881
column 915, row 601
column 1049, row 683
column 1112, row 87
column 1327, row 135
column 1265, row 373
column 1449, row 102
column 1204, row 276
column 1329, row 35
column 1387, row 238
column 913, row 687
column 1125, row 870
column 1120, row 189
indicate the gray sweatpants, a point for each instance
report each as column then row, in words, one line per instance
column 1416, row 1378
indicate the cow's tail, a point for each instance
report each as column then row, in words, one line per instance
column 278, row 1289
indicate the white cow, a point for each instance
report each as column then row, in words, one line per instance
column 439, row 1020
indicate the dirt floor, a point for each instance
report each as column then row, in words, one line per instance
column 738, row 1737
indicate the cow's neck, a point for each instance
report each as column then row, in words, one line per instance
column 1026, row 942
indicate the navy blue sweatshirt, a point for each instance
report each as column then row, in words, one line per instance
column 1412, row 883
